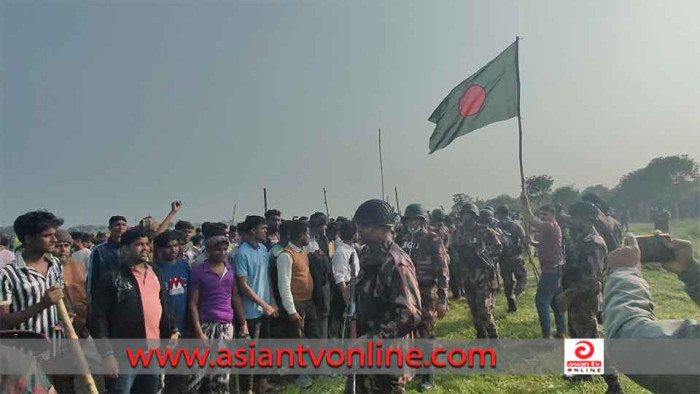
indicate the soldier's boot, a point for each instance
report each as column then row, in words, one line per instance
column 427, row 383
column 493, row 332
column 614, row 386
column 481, row 332
column 512, row 306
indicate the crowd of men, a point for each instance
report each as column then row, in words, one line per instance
column 391, row 275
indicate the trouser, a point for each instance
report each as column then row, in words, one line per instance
column 307, row 311
column 480, row 297
column 455, row 277
column 129, row 381
column 203, row 382
column 257, row 328
column 428, row 299
column 547, row 289
column 514, row 277
column 455, row 282
column 583, row 324
column 337, row 313
column 428, row 302
column 323, row 310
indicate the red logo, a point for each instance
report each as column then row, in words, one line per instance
column 584, row 356
column 584, row 349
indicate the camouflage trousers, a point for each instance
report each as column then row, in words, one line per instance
column 455, row 278
column 481, row 300
column 514, row 277
column 583, row 324
column 428, row 301
column 582, row 318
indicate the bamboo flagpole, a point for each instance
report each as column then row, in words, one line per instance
column 520, row 152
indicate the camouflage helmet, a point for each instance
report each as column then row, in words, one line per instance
column 375, row 213
column 438, row 215
column 469, row 207
column 503, row 210
column 415, row 211
column 583, row 210
column 485, row 216
column 489, row 208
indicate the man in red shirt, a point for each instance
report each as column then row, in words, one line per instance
column 551, row 255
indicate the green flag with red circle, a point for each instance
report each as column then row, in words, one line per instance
column 489, row 96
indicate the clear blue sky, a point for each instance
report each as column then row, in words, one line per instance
column 120, row 108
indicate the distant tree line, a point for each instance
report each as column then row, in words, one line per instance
column 671, row 182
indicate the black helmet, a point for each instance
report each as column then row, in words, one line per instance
column 375, row 213
column 469, row 207
column 415, row 211
column 503, row 210
column 583, row 210
column 438, row 215
column 485, row 216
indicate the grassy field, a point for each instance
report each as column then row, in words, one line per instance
column 671, row 302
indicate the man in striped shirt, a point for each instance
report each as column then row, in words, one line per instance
column 31, row 285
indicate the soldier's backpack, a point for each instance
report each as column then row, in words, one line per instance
column 511, row 245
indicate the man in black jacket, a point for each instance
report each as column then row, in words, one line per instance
column 320, row 267
column 105, row 256
column 130, row 302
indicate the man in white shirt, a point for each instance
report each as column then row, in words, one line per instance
column 295, row 287
column 345, row 265
column 82, row 253
column 6, row 256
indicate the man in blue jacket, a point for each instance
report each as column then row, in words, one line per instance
column 105, row 256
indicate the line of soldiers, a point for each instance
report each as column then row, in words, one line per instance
column 403, row 284
column 417, row 259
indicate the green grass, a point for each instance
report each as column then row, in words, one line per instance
column 671, row 302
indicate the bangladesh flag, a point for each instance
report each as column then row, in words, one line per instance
column 489, row 96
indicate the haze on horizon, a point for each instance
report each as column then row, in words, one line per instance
column 120, row 108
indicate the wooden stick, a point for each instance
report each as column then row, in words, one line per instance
column 396, row 193
column 265, row 197
column 381, row 165
column 75, row 347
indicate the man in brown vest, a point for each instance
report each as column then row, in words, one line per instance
column 296, row 288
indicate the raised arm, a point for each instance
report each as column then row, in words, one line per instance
column 528, row 216
column 175, row 207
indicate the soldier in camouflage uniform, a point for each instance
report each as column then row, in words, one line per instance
column 439, row 224
column 512, row 258
column 582, row 283
column 386, row 290
column 427, row 251
column 477, row 249
column 607, row 226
